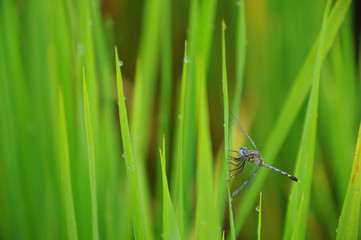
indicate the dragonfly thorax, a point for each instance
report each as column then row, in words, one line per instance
column 243, row 152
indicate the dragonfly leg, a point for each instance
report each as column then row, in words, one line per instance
column 235, row 164
column 233, row 151
column 235, row 161
column 238, row 168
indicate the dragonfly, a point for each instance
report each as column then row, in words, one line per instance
column 244, row 155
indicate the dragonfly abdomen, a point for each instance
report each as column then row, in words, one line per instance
column 282, row 172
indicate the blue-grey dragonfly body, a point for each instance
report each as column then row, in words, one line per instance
column 253, row 156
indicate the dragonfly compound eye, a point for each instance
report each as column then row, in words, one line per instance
column 242, row 152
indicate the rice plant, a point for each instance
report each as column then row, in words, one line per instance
column 114, row 119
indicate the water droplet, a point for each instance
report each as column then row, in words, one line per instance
column 238, row 3
column 123, row 155
column 186, row 59
column 357, row 190
column 180, row 116
column 224, row 125
column 125, row 98
column 257, row 208
column 131, row 168
column 120, row 63
column 336, row 229
column 91, row 22
column 224, row 26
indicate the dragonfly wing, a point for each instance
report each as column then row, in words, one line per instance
column 239, row 128
column 235, row 192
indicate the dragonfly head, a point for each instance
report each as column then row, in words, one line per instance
column 243, row 152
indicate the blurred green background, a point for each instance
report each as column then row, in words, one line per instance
column 45, row 162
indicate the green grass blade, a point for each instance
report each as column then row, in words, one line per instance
column 165, row 98
column 144, row 92
column 207, row 225
column 293, row 103
column 349, row 221
column 259, row 217
column 129, row 161
column 15, row 219
column 225, row 181
column 170, row 227
column 177, row 171
column 146, row 75
column 65, row 172
column 304, row 168
column 91, row 160
column 339, row 92
column 199, row 37
column 296, row 232
column 241, row 46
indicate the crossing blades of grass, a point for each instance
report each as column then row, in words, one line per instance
column 65, row 172
column 91, row 160
column 128, row 155
column 170, row 227
column 226, row 131
column 349, row 221
column 293, row 103
column 304, row 168
column 207, row 224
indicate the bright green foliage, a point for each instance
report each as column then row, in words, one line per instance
column 79, row 138
column 296, row 97
column 226, row 128
column 91, row 156
column 300, row 195
column 170, row 226
column 348, row 227
column 128, row 155
column 65, row 172
column 178, row 153
column 207, row 222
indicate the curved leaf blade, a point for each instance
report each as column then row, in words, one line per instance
column 349, row 220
